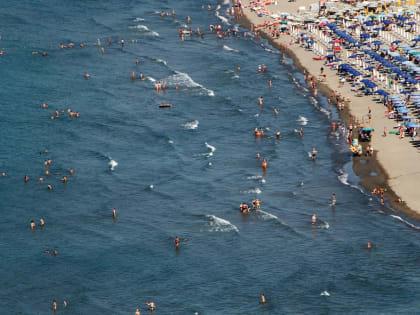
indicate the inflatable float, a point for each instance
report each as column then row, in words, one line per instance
column 355, row 148
column 165, row 105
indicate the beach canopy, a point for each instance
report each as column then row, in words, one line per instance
column 382, row 92
column 396, row 41
column 411, row 124
column 377, row 43
column 368, row 128
column 411, row 23
column 402, row 110
column 369, row 83
column 386, row 22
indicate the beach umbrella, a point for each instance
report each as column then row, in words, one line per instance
column 386, row 22
column 406, row 118
column 411, row 124
column 396, row 41
column 382, row 92
column 405, row 92
column 377, row 43
column 369, row 23
column 353, row 56
column 370, row 68
column 402, row 110
column 368, row 128
column 411, row 23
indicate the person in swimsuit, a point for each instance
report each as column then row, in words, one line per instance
column 314, row 152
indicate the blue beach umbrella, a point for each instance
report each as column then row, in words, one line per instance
column 382, row 92
column 368, row 128
column 396, row 41
column 402, row 110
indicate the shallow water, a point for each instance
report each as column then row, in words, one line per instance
column 180, row 171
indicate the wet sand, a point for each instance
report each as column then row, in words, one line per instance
column 399, row 179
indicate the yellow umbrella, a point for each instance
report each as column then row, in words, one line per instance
column 413, row 2
column 399, row 3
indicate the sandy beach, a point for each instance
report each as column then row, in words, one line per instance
column 394, row 160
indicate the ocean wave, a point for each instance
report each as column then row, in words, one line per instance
column 227, row 48
column 223, row 19
column 267, row 215
column 252, row 191
column 406, row 222
column 302, row 120
column 157, row 60
column 145, row 29
column 343, row 178
column 212, row 149
column 220, row 225
column 151, row 79
column 138, row 20
column 184, row 80
column 112, row 164
column 254, row 177
column 191, row 125
column 325, row 293
column 226, row 2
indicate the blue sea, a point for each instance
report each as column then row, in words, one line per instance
column 179, row 171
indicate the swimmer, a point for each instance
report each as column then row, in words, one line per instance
column 57, row 114
column 3, row 174
column 54, row 306
column 49, row 161
column 44, row 105
column 238, row 68
column 260, row 100
column 122, row 43
column 137, row 312
column 102, row 50
column 44, row 53
column 26, row 179
column 137, row 61
column 278, row 134
column 275, row 111
column 314, row 152
column 82, row 45
column 151, row 305
column 262, row 299
column 87, row 75
column 132, row 76
column 264, row 164
column 64, row 179
column 300, row 132
column 258, row 155
column 313, row 219
column 114, row 213
column 55, row 252
column 176, row 242
column 49, row 187
column 333, row 200
column 65, row 303
column 32, row 225
column 269, row 84
column 369, row 245
column 109, row 40
column 47, row 172
column 71, row 171
column 41, row 223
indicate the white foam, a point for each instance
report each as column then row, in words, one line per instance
column 151, row 79
column 144, row 28
column 227, row 48
column 303, row 120
column 267, row 216
column 161, row 61
column 223, row 19
column 218, row 7
column 183, row 79
column 406, row 222
column 212, row 149
column 138, row 20
column 254, row 177
column 191, row 125
column 252, row 191
column 325, row 293
column 112, row 164
column 151, row 186
column 220, row 225
column 225, row 2
column 170, row 141
column 343, row 178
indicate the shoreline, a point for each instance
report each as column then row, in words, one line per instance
column 362, row 169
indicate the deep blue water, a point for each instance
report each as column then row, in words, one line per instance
column 169, row 183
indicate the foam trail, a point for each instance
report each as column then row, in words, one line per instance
column 325, row 293
column 223, row 19
column 406, row 222
column 145, row 29
column 220, row 225
column 151, row 79
column 112, row 164
column 138, row 20
column 227, row 48
column 303, row 120
column 183, row 79
column 212, row 149
column 160, row 61
column 254, row 177
column 267, row 216
column 191, row 125
column 252, row 191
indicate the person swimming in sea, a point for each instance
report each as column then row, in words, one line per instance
column 313, row 219
column 314, row 152
column 333, row 200
column 176, row 240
